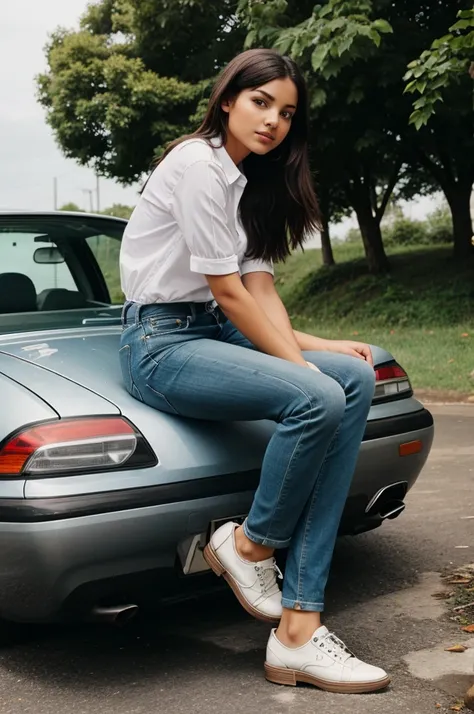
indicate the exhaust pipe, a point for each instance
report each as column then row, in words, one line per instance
column 391, row 510
column 388, row 502
column 115, row 614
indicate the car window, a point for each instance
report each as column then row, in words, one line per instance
column 59, row 270
column 18, row 256
column 106, row 250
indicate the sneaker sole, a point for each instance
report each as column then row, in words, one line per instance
column 216, row 566
column 291, row 677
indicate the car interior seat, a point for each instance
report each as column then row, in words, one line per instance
column 61, row 299
column 17, row 293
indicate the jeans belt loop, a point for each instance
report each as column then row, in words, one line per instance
column 125, row 310
column 138, row 307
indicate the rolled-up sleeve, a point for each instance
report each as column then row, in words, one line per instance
column 199, row 208
column 252, row 265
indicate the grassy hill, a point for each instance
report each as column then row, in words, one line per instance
column 422, row 312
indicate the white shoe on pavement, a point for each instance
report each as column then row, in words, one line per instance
column 254, row 584
column 325, row 662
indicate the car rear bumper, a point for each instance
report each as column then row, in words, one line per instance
column 53, row 547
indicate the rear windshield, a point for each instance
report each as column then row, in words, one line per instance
column 59, row 271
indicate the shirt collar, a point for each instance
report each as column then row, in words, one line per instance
column 232, row 172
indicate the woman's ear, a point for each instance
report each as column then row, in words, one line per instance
column 226, row 104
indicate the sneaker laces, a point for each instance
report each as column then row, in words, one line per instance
column 267, row 575
column 333, row 645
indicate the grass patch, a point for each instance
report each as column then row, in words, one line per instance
column 422, row 312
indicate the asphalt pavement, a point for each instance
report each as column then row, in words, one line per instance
column 207, row 655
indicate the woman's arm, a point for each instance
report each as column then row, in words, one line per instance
column 346, row 347
column 261, row 286
column 249, row 316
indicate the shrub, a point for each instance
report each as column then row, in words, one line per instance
column 439, row 227
column 353, row 235
column 405, row 231
column 436, row 229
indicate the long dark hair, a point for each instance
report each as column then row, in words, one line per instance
column 278, row 208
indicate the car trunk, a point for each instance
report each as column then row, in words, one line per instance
column 77, row 372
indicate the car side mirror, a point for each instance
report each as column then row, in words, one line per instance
column 49, row 255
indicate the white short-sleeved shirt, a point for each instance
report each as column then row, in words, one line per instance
column 186, row 225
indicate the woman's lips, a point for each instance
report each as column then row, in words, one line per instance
column 265, row 138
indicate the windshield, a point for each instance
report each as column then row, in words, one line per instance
column 59, row 270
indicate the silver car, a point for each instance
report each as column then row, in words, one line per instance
column 103, row 499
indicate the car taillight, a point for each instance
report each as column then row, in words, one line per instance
column 75, row 445
column 390, row 381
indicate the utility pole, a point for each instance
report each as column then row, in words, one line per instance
column 90, row 192
column 55, row 192
column 97, row 192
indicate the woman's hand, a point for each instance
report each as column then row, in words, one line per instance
column 346, row 347
column 354, row 349
column 313, row 366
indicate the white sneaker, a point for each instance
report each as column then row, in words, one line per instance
column 254, row 584
column 325, row 662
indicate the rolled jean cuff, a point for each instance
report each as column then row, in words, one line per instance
column 302, row 605
column 263, row 540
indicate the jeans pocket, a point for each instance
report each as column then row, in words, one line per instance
column 125, row 355
column 166, row 325
column 157, row 400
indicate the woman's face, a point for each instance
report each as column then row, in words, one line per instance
column 260, row 119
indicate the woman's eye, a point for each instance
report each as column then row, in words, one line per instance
column 289, row 115
column 260, row 102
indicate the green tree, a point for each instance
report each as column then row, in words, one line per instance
column 443, row 114
column 361, row 49
column 349, row 162
column 71, row 207
column 138, row 72
column 119, row 210
column 448, row 61
column 130, row 80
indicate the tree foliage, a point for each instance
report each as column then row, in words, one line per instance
column 443, row 114
column 448, row 61
column 138, row 72
column 119, row 210
column 331, row 38
column 71, row 206
column 355, row 55
column 355, row 141
column 130, row 80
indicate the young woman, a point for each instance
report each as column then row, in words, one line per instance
column 205, row 335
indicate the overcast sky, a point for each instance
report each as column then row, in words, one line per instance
column 29, row 157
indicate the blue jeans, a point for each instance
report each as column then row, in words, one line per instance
column 188, row 359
